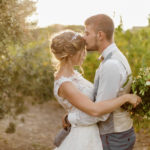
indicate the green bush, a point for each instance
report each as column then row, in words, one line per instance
column 28, row 73
column 141, row 87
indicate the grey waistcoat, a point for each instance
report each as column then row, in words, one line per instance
column 119, row 120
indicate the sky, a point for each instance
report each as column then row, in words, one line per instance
column 69, row 12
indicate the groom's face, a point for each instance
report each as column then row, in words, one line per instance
column 90, row 38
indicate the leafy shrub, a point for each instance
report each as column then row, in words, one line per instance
column 141, row 87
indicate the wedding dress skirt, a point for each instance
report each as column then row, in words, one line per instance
column 82, row 138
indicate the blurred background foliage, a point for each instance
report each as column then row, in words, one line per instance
column 26, row 67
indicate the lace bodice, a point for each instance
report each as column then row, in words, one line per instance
column 81, row 83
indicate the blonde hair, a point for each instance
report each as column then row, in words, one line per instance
column 65, row 44
column 101, row 22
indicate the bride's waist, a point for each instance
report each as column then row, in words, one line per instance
column 84, row 126
column 87, row 130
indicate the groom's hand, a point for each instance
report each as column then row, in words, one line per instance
column 65, row 122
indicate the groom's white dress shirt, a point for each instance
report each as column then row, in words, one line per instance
column 108, row 84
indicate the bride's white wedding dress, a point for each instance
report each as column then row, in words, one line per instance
column 80, row 137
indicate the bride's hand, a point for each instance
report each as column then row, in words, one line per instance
column 133, row 99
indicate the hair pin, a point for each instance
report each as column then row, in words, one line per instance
column 74, row 37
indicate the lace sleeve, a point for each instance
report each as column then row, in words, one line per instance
column 58, row 83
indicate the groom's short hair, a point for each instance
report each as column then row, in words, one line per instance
column 101, row 22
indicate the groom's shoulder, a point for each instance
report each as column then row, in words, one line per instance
column 111, row 63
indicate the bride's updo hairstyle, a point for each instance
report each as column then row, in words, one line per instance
column 65, row 44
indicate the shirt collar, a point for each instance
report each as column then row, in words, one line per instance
column 107, row 50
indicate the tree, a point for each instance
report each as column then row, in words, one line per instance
column 13, row 30
column 13, row 24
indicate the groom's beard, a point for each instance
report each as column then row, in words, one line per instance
column 92, row 48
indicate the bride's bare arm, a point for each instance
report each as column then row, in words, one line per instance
column 68, row 91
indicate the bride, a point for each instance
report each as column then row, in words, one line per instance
column 75, row 93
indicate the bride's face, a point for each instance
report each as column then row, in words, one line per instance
column 79, row 57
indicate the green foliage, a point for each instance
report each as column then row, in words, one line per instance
column 135, row 44
column 13, row 24
column 141, row 87
column 142, row 124
column 33, row 72
column 90, row 65
column 30, row 73
column 14, row 32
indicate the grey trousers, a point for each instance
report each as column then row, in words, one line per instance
column 119, row 141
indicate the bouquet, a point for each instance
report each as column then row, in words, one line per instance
column 141, row 87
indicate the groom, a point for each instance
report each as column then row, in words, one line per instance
column 116, row 128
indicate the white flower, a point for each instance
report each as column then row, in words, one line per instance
column 148, row 83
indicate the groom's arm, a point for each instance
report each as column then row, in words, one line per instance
column 109, row 85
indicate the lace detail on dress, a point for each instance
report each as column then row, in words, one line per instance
column 79, row 82
column 58, row 83
column 63, row 79
column 61, row 100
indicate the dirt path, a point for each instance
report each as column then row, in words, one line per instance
column 36, row 129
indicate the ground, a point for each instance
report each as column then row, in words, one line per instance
column 37, row 127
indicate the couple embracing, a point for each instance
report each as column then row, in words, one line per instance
column 94, row 120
